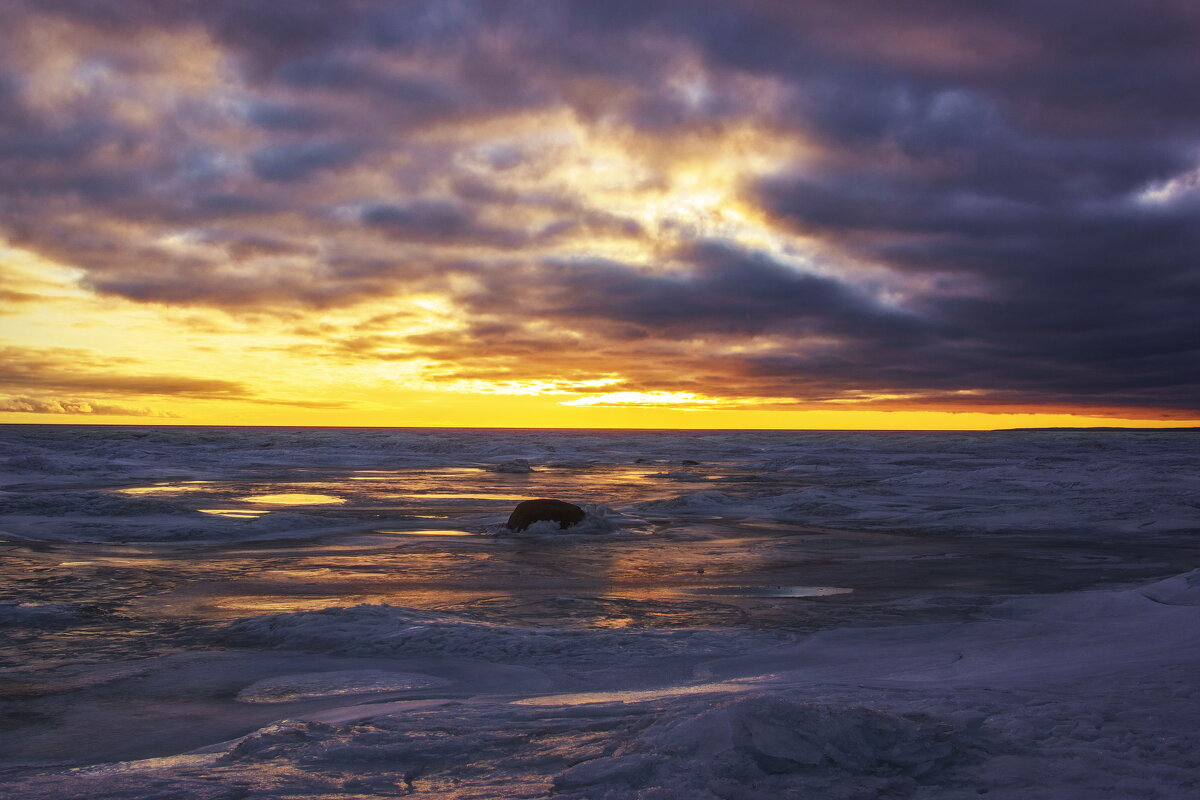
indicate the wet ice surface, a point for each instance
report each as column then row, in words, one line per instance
column 275, row 612
column 289, row 688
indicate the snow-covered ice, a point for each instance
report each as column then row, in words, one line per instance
column 261, row 613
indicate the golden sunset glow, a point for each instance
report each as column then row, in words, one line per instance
column 221, row 368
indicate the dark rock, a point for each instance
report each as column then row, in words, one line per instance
column 531, row 511
column 687, row 462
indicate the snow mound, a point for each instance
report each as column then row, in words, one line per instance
column 1180, row 590
column 1165, row 599
column 276, row 740
column 784, row 747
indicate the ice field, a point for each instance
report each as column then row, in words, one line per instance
column 340, row 613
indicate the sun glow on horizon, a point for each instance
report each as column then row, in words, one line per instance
column 668, row 399
column 387, row 383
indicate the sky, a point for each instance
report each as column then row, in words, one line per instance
column 815, row 214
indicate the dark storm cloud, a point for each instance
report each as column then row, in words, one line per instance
column 294, row 162
column 226, row 204
column 720, row 290
column 1086, row 288
column 337, row 74
column 1017, row 180
column 281, row 117
column 282, row 288
column 434, row 220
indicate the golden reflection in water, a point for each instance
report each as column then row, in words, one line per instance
column 598, row 583
column 284, row 605
column 616, row 623
column 458, row 496
column 237, row 605
column 167, row 488
column 622, row 474
column 583, row 698
column 294, row 499
column 433, row 533
column 373, row 475
column 235, row 513
column 135, row 562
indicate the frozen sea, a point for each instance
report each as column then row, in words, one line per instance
column 340, row 613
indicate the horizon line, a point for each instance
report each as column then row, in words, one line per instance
column 169, row 425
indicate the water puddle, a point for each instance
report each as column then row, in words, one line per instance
column 233, row 513
column 621, row 474
column 276, row 604
column 432, row 533
column 458, row 496
column 583, row 698
column 167, row 488
column 294, row 499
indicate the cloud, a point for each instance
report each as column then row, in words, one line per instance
column 650, row 399
column 436, row 221
column 13, row 297
column 66, row 369
column 717, row 290
column 35, row 405
column 46, row 370
column 285, row 163
column 809, row 202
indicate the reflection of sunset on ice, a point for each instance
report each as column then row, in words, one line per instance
column 802, row 611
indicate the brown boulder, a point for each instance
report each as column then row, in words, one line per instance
column 531, row 511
